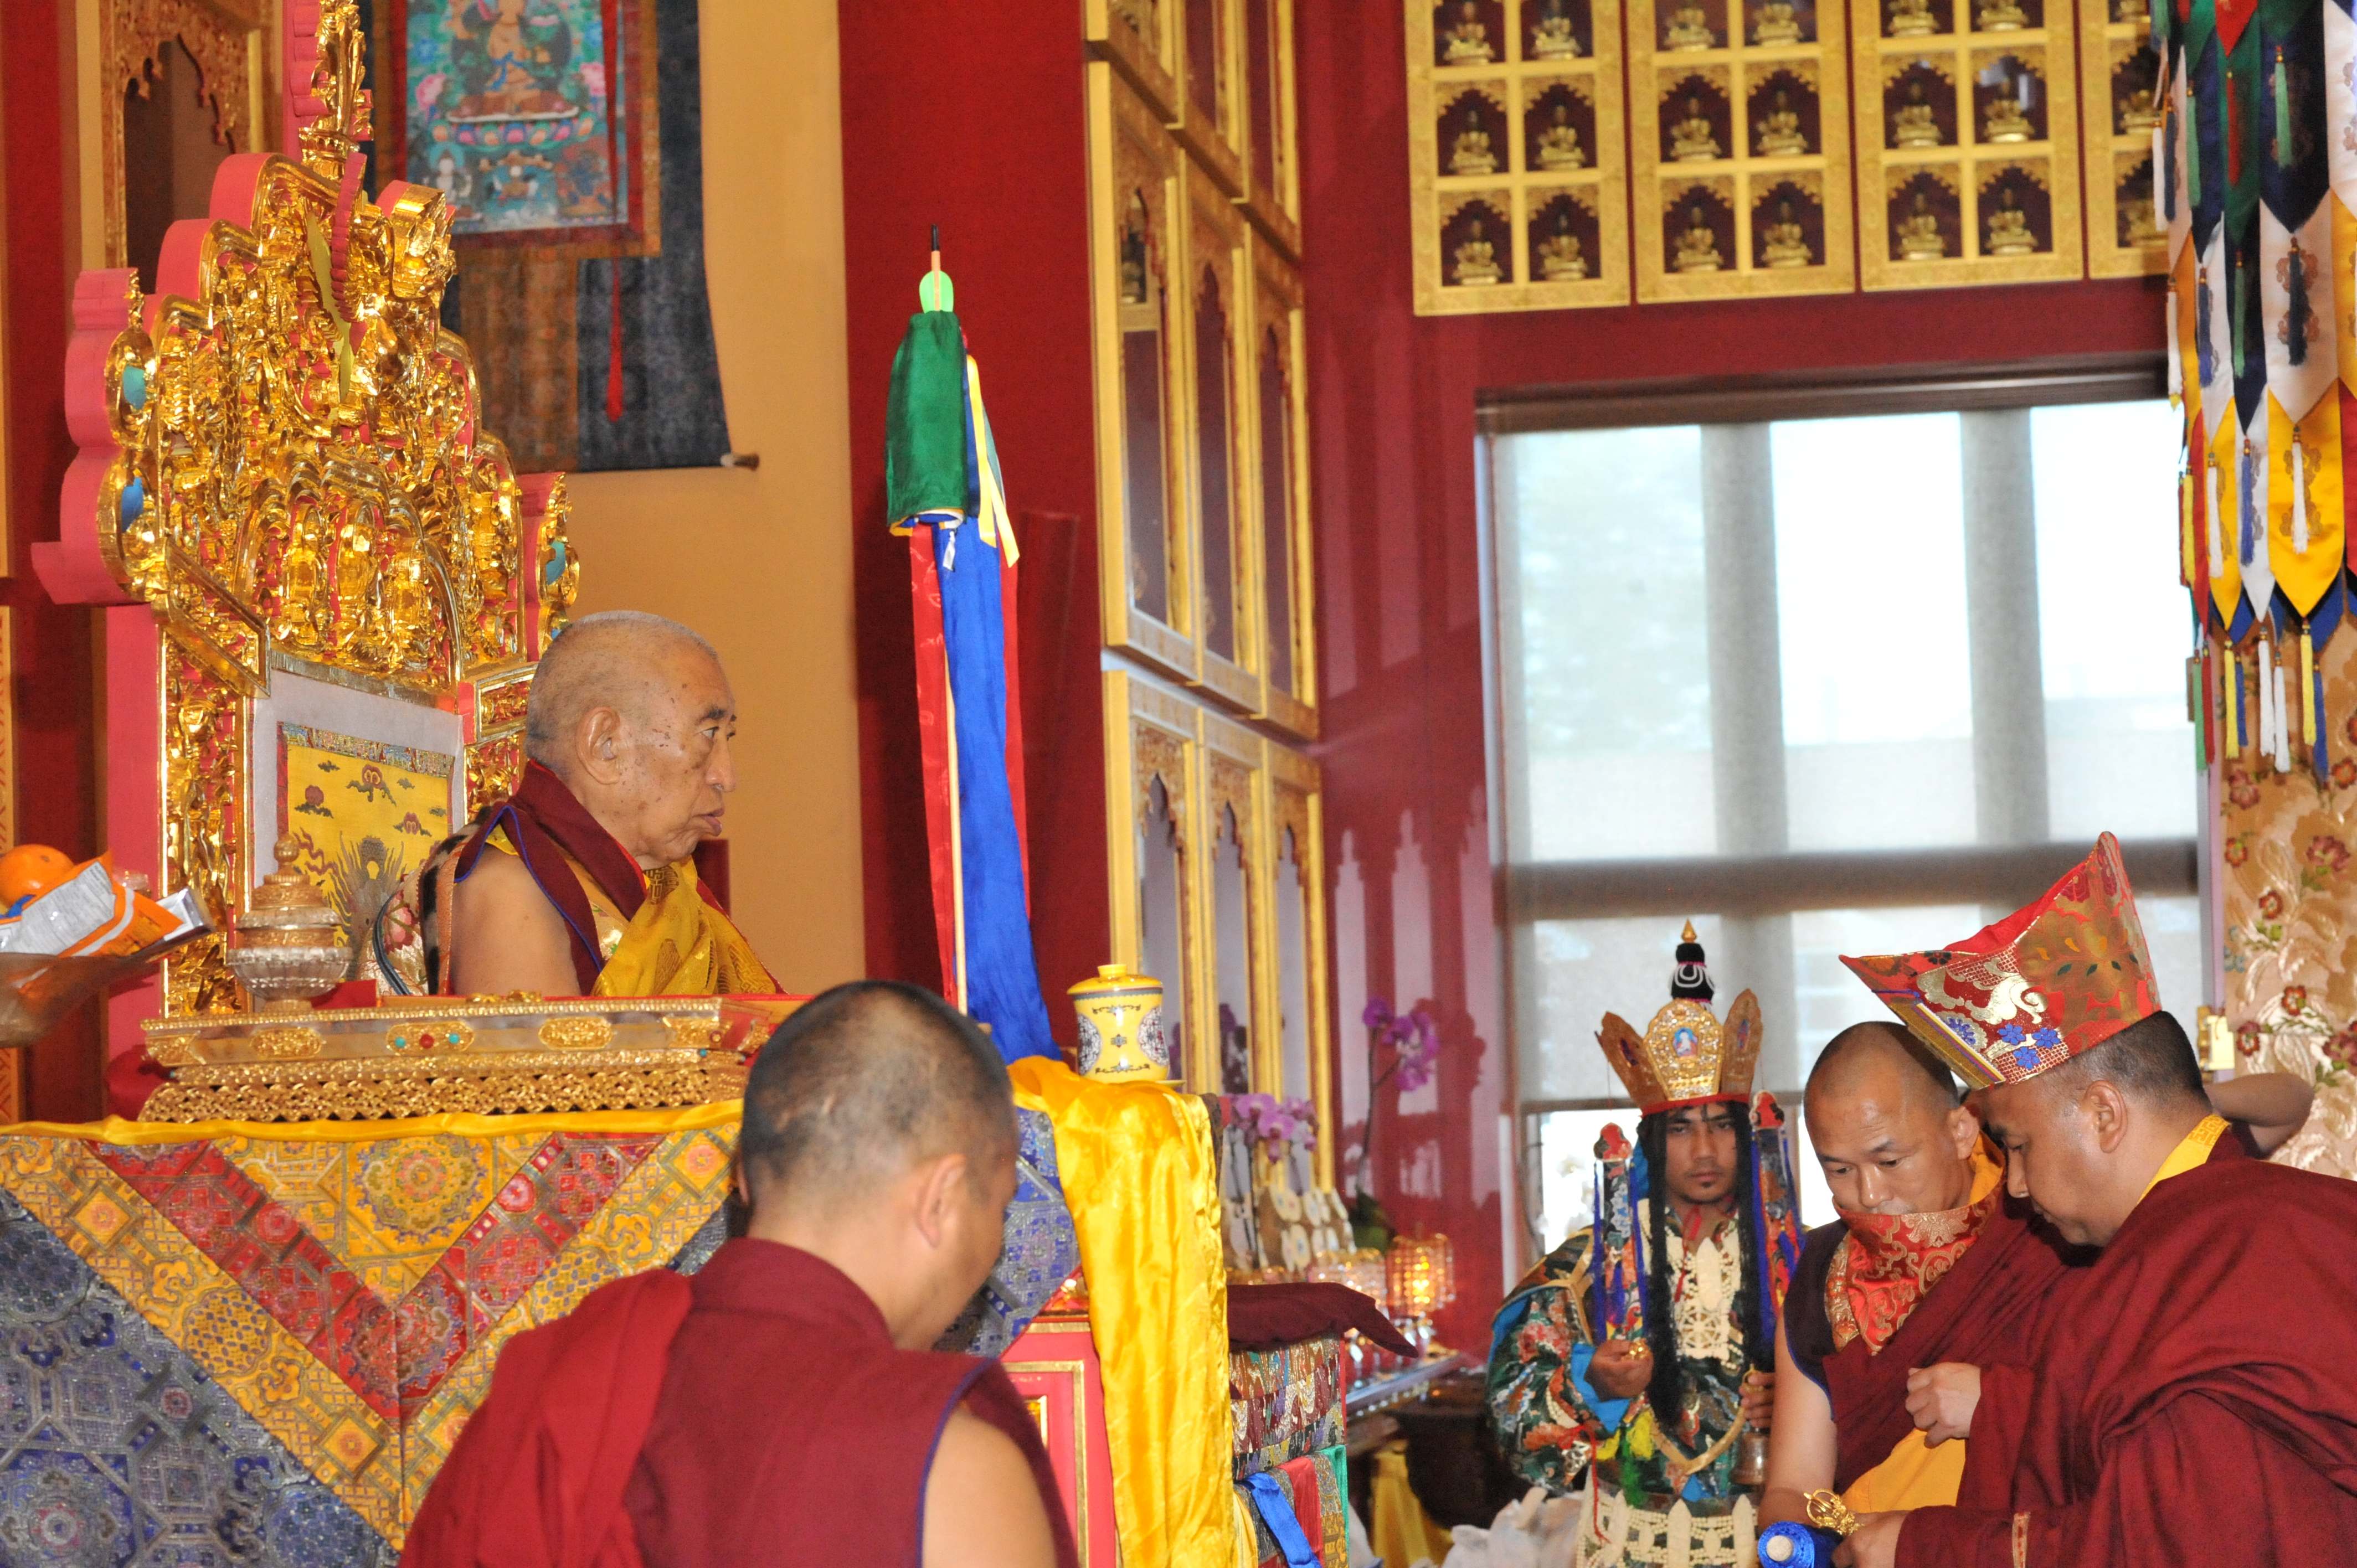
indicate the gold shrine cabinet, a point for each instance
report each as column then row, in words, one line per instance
column 1214, row 808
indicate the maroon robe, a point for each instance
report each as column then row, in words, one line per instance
column 791, row 1429
column 755, row 1413
column 1983, row 1311
column 2192, row 1402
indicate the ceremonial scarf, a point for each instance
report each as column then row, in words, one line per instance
column 677, row 942
column 1886, row 1262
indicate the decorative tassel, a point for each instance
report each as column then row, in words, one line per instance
column 2299, row 501
column 2197, row 708
column 2235, row 707
column 2319, row 747
column 2307, row 689
column 2283, row 722
column 2267, row 699
column 2282, row 154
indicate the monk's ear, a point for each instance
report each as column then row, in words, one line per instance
column 940, row 1182
column 2107, row 1111
column 601, row 745
column 1963, row 1132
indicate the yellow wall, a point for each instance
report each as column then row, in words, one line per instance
column 761, row 563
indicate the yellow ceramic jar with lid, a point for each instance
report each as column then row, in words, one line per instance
column 1121, row 1026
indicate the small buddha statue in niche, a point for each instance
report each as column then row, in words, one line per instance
column 2001, row 16
column 1469, row 153
column 1910, row 19
column 1133, row 266
column 1787, row 245
column 1560, row 257
column 2009, row 228
column 1779, row 133
column 1699, row 247
column 2137, row 111
column 1688, row 28
column 1476, row 258
column 1551, row 37
column 1920, row 239
column 1469, row 40
column 1914, row 124
column 1775, row 22
column 1559, row 142
column 2002, row 121
column 1692, row 140
column 2136, row 225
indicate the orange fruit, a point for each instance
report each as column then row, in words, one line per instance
column 31, row 868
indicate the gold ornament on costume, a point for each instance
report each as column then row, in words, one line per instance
column 1686, row 1054
column 294, row 465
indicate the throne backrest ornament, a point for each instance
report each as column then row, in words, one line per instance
column 282, row 456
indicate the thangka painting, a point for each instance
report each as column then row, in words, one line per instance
column 362, row 814
column 567, row 136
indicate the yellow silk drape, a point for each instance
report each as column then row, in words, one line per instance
column 1136, row 1161
column 678, row 945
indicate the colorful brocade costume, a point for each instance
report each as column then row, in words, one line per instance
column 634, row 932
column 1650, row 1500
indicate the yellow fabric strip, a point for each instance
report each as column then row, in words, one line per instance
column 1400, row 1531
column 1136, row 1161
column 2191, row 1150
column 1914, row 1477
column 455, row 1123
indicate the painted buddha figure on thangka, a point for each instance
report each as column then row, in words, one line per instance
column 584, row 881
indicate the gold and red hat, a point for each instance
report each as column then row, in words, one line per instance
column 1686, row 1057
column 2049, row 982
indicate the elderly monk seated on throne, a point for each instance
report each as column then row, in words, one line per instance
column 584, row 881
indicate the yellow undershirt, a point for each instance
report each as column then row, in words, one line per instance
column 2191, row 1150
column 1917, row 1475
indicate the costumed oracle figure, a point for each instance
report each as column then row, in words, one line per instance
column 1930, row 1262
column 2186, row 1398
column 1638, row 1350
column 785, row 1403
column 583, row 883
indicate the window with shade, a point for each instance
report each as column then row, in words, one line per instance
column 1826, row 669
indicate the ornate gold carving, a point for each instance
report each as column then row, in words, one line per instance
column 494, row 767
column 299, row 466
column 1231, row 786
column 379, row 1090
column 435, row 1037
column 218, row 35
column 503, row 704
column 1159, row 754
column 289, row 1042
column 582, row 1034
column 693, row 1033
column 168, row 1053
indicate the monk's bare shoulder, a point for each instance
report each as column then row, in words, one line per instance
column 983, row 1509
column 509, row 937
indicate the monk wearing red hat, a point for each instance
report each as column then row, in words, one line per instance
column 784, row 1406
column 2187, row 1397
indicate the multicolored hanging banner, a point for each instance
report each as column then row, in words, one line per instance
column 2256, row 162
column 944, row 492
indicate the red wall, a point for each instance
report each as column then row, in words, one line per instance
column 52, row 751
column 1391, row 413
column 968, row 114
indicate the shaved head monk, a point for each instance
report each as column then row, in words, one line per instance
column 2187, row 1398
column 785, row 1404
column 584, row 882
column 1929, row 1264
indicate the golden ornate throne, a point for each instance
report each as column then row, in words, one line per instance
column 329, row 584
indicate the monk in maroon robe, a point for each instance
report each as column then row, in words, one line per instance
column 1929, row 1263
column 2190, row 1401
column 783, row 1405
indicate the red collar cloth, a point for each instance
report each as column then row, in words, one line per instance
column 1888, row 1261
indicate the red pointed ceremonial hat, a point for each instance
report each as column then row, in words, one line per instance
column 2045, row 983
